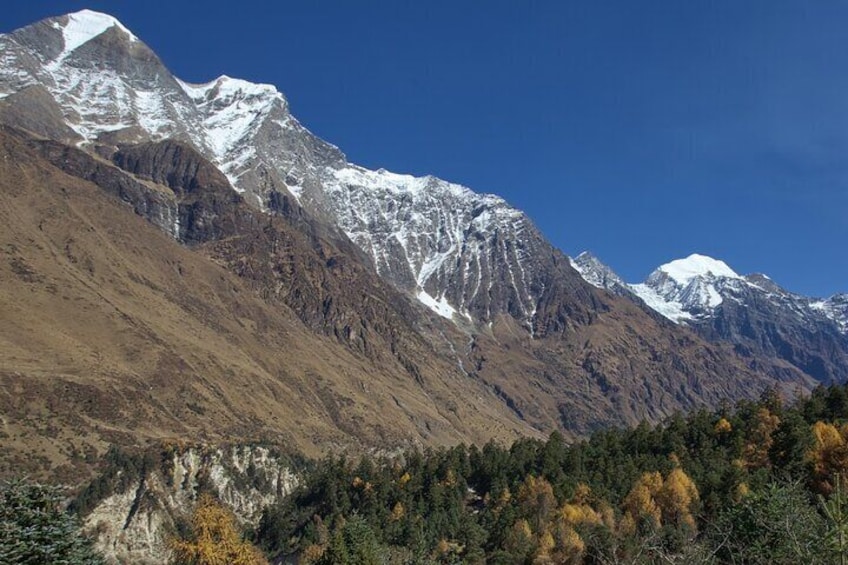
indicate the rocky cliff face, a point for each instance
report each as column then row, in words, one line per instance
column 136, row 524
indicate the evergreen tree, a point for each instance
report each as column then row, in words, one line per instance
column 34, row 530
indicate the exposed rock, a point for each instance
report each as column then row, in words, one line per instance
column 136, row 525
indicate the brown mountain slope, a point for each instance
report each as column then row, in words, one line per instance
column 111, row 332
column 273, row 327
column 594, row 360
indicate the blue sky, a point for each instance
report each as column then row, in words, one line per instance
column 642, row 131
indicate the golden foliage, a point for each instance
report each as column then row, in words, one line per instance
column 829, row 455
column 660, row 500
column 640, row 503
column 676, row 497
column 760, row 439
column 443, row 547
column 740, row 492
column 398, row 512
column 607, row 514
column 312, row 554
column 569, row 546
column 723, row 427
column 536, row 501
column 449, row 480
column 546, row 543
column 519, row 537
column 215, row 539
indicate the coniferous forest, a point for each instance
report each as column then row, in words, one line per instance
column 757, row 482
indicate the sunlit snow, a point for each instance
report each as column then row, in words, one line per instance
column 85, row 25
column 440, row 306
column 684, row 270
column 671, row 309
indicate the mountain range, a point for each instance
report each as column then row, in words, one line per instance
column 752, row 312
column 188, row 260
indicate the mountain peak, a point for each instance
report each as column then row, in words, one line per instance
column 684, row 270
column 83, row 26
column 598, row 274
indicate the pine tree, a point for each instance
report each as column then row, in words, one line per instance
column 34, row 530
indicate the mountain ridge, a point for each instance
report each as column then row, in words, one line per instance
column 451, row 308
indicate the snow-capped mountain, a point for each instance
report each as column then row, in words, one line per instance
column 687, row 288
column 751, row 311
column 460, row 253
column 279, row 247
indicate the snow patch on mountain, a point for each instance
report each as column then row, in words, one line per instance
column 835, row 308
column 231, row 109
column 440, row 306
column 85, row 25
column 671, row 309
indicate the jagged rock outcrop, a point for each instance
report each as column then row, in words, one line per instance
column 136, row 523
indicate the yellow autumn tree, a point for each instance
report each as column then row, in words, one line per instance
column 676, row 498
column 760, row 439
column 519, row 538
column 722, row 427
column 537, row 502
column 829, row 455
column 398, row 511
column 661, row 501
column 640, row 504
column 214, row 539
column 569, row 546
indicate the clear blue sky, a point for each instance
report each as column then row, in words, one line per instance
column 642, row 131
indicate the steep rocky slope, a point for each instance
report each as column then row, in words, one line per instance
column 139, row 511
column 112, row 332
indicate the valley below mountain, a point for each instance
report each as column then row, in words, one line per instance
column 185, row 269
column 190, row 261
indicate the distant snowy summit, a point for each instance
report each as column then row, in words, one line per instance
column 694, row 287
column 752, row 312
column 687, row 288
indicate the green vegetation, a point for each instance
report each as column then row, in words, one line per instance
column 758, row 483
column 34, row 530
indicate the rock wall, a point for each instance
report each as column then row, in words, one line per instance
column 134, row 526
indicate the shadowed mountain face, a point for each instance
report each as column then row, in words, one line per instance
column 188, row 260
